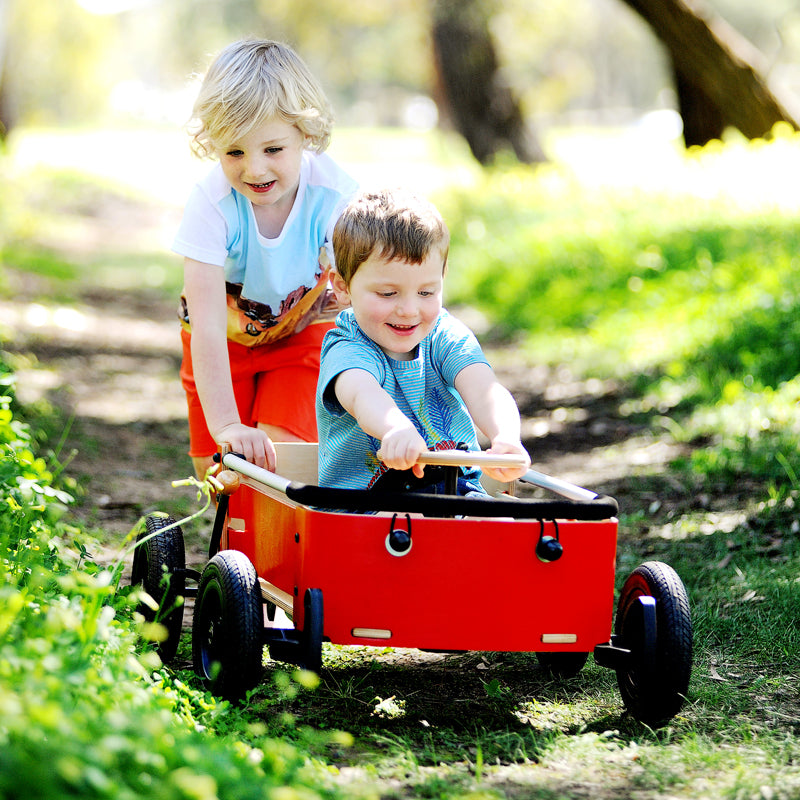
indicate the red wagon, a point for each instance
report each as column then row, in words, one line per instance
column 415, row 570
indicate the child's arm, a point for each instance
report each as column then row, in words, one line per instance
column 378, row 415
column 495, row 413
column 204, row 288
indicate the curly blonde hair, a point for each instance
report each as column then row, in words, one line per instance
column 252, row 81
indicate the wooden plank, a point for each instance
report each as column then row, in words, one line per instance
column 559, row 638
column 297, row 461
column 277, row 596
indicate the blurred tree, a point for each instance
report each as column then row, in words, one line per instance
column 51, row 68
column 719, row 74
column 472, row 91
column 497, row 64
column 5, row 113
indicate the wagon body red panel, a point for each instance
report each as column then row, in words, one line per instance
column 465, row 584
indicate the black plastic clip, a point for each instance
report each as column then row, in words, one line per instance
column 548, row 548
column 398, row 541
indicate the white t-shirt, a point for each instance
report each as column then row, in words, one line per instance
column 275, row 286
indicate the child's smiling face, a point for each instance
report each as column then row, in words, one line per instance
column 264, row 165
column 396, row 303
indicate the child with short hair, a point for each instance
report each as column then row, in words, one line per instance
column 255, row 237
column 398, row 373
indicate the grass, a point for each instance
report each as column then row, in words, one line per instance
column 679, row 285
column 87, row 711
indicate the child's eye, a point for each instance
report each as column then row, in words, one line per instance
column 234, row 153
column 386, row 294
column 271, row 151
column 425, row 293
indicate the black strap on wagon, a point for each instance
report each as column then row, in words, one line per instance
column 438, row 505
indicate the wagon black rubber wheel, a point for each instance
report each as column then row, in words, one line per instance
column 659, row 636
column 562, row 665
column 228, row 626
column 158, row 566
column 311, row 638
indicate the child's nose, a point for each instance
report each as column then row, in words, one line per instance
column 407, row 306
column 255, row 165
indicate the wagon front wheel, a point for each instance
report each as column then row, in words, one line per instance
column 159, row 564
column 654, row 622
column 228, row 626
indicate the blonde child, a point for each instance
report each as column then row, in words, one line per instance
column 398, row 373
column 255, row 236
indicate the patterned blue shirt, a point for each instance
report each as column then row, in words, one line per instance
column 423, row 388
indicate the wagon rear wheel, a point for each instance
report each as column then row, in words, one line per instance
column 654, row 622
column 562, row 665
column 228, row 626
column 158, row 566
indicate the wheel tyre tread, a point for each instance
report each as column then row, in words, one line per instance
column 656, row 698
column 165, row 552
column 241, row 625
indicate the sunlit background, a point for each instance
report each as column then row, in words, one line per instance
column 104, row 88
column 115, row 80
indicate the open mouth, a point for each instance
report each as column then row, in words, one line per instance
column 402, row 328
column 261, row 187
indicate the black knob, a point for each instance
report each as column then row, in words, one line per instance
column 549, row 549
column 399, row 540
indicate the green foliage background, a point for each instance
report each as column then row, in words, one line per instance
column 690, row 301
column 680, row 293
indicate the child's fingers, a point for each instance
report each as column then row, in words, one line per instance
column 505, row 474
column 400, row 449
column 253, row 445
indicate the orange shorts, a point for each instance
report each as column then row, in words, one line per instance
column 275, row 384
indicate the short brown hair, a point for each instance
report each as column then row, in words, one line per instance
column 395, row 223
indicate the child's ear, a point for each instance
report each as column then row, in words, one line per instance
column 340, row 289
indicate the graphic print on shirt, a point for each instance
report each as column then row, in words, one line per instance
column 252, row 323
column 435, row 416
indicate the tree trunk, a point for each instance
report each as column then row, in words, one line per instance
column 720, row 74
column 702, row 119
column 471, row 88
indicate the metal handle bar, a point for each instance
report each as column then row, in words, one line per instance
column 468, row 458
column 250, row 470
column 478, row 458
column 558, row 486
